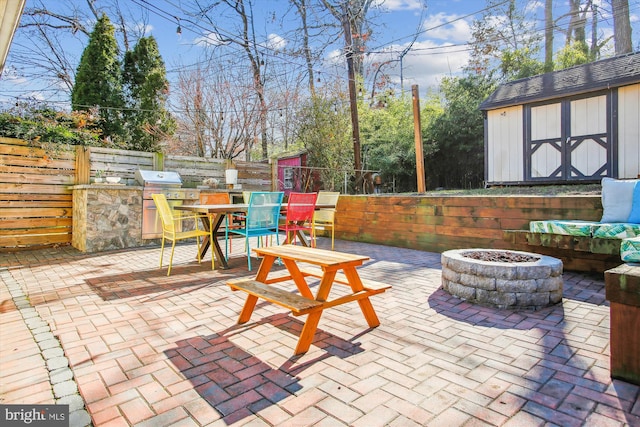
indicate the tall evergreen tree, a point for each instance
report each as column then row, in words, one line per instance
column 99, row 80
column 147, row 88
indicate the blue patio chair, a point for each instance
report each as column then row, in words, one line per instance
column 260, row 220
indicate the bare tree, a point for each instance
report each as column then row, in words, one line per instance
column 241, row 13
column 218, row 110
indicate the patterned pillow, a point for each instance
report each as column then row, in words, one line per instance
column 617, row 230
column 630, row 250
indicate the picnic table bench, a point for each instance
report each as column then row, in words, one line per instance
column 332, row 267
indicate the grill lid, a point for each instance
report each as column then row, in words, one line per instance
column 145, row 177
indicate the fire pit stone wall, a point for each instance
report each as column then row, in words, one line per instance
column 528, row 281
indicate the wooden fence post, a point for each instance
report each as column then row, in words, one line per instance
column 274, row 174
column 83, row 165
column 158, row 161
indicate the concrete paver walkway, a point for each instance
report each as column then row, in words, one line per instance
column 141, row 348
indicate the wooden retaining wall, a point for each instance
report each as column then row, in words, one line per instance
column 437, row 224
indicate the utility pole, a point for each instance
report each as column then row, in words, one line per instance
column 352, row 97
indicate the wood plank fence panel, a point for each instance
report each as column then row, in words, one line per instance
column 122, row 163
column 35, row 195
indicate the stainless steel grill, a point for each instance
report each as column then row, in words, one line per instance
column 161, row 182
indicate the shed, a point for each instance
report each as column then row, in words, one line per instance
column 295, row 175
column 573, row 125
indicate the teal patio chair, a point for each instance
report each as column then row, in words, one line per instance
column 260, row 220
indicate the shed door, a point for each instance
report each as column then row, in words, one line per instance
column 568, row 140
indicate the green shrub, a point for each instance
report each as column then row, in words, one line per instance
column 45, row 125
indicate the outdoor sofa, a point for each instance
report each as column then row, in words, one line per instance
column 620, row 219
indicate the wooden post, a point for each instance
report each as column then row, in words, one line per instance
column 274, row 174
column 83, row 165
column 417, row 136
column 158, row 161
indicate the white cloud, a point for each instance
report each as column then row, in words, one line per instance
column 38, row 96
column 534, row 7
column 10, row 74
column 140, row 28
column 210, row 39
column 451, row 28
column 395, row 5
column 425, row 65
column 276, row 42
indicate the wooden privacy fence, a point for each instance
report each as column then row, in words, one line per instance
column 36, row 196
column 35, row 200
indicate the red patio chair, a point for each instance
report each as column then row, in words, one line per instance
column 300, row 208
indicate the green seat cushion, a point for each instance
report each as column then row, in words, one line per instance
column 567, row 227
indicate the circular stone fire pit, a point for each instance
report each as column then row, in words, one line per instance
column 502, row 279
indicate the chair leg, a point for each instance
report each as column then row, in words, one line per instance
column 161, row 251
column 198, row 246
column 226, row 223
column 226, row 245
column 332, row 236
column 248, row 252
column 213, row 254
column 173, row 246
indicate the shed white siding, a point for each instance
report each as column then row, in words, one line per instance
column 505, row 150
column 629, row 131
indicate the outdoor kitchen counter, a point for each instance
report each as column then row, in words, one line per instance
column 107, row 217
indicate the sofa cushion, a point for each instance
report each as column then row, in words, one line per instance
column 618, row 230
column 630, row 250
column 566, row 227
column 617, row 199
column 634, row 216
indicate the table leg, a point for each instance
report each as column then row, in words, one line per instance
column 265, row 267
column 311, row 325
column 217, row 250
column 250, row 303
column 303, row 238
column 206, row 242
column 298, row 278
column 247, row 310
column 308, row 331
column 365, row 304
column 204, row 219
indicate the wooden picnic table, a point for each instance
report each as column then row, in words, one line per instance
column 220, row 211
column 334, row 267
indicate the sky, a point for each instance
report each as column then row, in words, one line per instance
column 436, row 35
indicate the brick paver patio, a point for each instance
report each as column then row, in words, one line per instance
column 149, row 350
